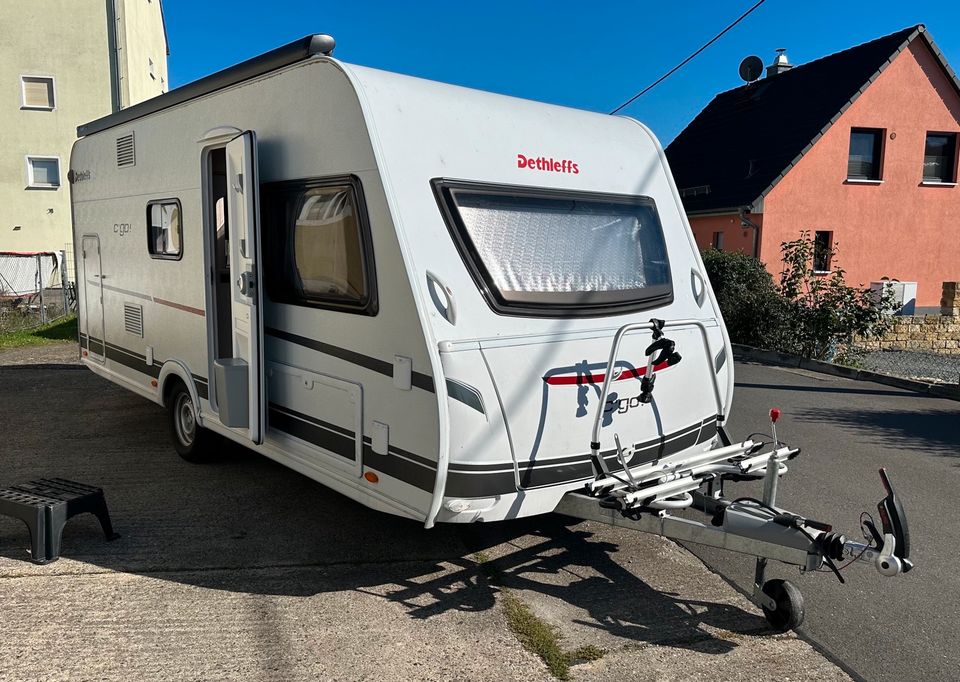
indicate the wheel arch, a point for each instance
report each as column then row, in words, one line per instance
column 170, row 373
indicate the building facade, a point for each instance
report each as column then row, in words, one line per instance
column 65, row 63
column 858, row 148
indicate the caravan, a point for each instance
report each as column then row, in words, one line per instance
column 445, row 304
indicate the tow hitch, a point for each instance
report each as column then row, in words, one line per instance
column 642, row 497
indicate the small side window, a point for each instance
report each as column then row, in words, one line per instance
column 164, row 229
column 822, row 251
column 43, row 172
column 317, row 245
column 37, row 92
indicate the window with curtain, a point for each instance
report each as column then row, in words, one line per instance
column 317, row 245
column 164, row 229
column 940, row 157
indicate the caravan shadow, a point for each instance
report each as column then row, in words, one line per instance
column 245, row 524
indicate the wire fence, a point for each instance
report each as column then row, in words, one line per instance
column 34, row 289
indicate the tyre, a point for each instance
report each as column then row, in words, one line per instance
column 190, row 440
column 789, row 612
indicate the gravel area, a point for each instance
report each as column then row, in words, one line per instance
column 914, row 365
column 44, row 354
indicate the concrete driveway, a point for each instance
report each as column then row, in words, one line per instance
column 242, row 569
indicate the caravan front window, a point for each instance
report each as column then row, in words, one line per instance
column 553, row 253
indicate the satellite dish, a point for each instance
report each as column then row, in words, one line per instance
column 751, row 68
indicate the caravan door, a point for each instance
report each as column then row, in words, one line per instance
column 95, row 339
column 239, row 379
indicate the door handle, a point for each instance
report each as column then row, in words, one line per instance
column 247, row 283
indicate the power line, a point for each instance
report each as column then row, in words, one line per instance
column 684, row 62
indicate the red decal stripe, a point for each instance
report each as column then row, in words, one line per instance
column 569, row 380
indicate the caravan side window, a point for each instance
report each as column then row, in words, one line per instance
column 164, row 229
column 317, row 245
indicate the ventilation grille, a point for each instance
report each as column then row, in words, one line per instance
column 133, row 319
column 126, row 152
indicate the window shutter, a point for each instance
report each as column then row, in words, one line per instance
column 38, row 92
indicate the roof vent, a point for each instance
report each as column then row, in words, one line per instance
column 126, row 151
column 780, row 63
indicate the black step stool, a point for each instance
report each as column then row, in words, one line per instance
column 46, row 505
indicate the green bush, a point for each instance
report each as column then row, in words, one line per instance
column 752, row 308
column 815, row 315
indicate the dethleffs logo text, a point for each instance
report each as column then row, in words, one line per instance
column 547, row 164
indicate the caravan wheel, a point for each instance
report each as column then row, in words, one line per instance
column 189, row 439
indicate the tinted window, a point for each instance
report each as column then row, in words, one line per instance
column 865, row 154
column 939, row 157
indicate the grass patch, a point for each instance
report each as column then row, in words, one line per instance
column 543, row 639
column 55, row 332
column 536, row 636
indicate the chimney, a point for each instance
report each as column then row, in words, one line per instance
column 780, row 63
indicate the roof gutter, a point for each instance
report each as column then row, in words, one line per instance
column 746, row 222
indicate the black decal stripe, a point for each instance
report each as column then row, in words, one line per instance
column 93, row 344
column 488, row 480
column 134, row 361
column 203, row 387
column 461, row 484
column 137, row 362
column 465, row 394
column 342, row 445
column 418, row 379
column 400, row 464
column 417, row 476
column 535, row 478
column 399, row 452
column 585, row 458
column 343, row 431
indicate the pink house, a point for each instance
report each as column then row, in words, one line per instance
column 859, row 148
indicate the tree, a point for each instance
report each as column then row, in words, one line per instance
column 823, row 313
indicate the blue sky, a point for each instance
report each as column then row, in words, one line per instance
column 590, row 55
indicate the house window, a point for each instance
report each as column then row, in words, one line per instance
column 164, row 229
column 37, row 92
column 822, row 250
column 940, row 158
column 153, row 75
column 318, row 252
column 718, row 241
column 43, row 172
column 866, row 154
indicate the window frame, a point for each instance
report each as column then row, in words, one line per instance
column 953, row 167
column 273, row 258
column 813, row 264
column 879, row 151
column 529, row 304
column 23, row 92
column 31, row 184
column 164, row 256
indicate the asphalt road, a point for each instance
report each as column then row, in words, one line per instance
column 902, row 628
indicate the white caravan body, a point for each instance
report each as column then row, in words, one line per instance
column 423, row 319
